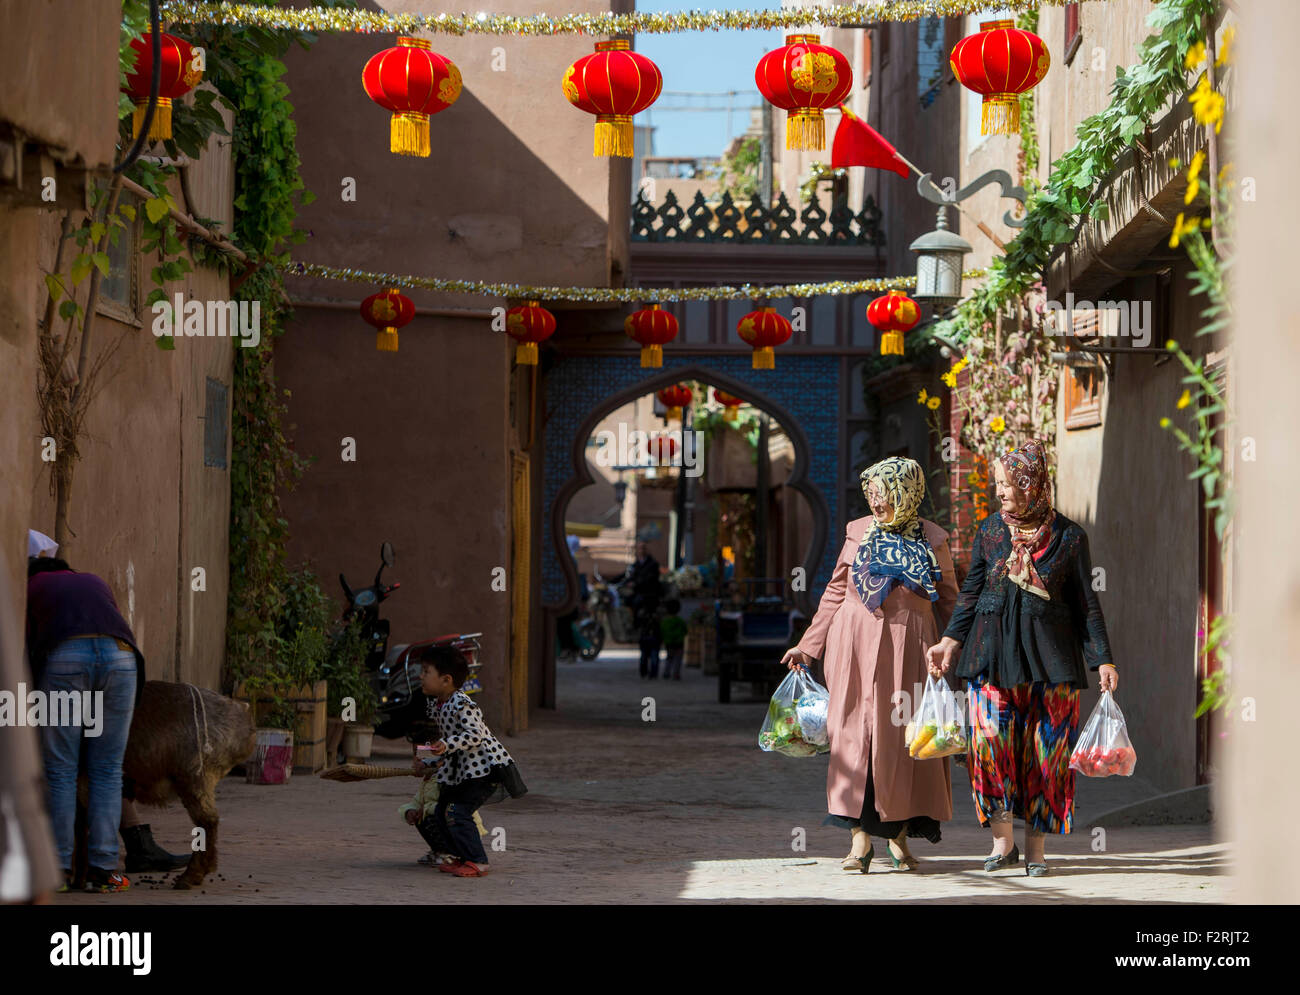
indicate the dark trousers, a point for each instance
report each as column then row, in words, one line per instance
column 649, row 656
column 673, row 662
column 450, row 828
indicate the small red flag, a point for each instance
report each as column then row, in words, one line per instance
column 859, row 144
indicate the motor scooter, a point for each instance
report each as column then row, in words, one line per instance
column 394, row 671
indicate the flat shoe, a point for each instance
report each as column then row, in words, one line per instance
column 1036, row 870
column 451, row 867
column 996, row 863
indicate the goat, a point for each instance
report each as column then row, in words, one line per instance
column 183, row 741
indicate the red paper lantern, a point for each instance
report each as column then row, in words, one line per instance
column 614, row 83
column 662, row 449
column 675, row 398
column 529, row 324
column 802, row 79
column 179, row 77
column 388, row 311
column 764, row 329
column 412, row 82
column 729, row 402
column 893, row 314
column 1001, row 62
column 651, row 327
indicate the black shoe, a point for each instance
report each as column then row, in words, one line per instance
column 143, row 854
column 1006, row 860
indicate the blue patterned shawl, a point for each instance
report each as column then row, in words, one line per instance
column 896, row 552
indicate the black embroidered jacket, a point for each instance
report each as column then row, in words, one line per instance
column 1012, row 637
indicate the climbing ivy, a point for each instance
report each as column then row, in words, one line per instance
column 245, row 65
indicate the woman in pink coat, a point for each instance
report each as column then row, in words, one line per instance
column 890, row 596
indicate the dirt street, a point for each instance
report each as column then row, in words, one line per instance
column 682, row 809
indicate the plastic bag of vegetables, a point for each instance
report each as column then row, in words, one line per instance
column 939, row 729
column 796, row 717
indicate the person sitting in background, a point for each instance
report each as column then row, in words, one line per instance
column 672, row 627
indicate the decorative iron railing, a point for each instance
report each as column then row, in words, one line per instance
column 756, row 224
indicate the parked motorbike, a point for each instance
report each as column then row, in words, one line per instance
column 613, row 619
column 395, row 670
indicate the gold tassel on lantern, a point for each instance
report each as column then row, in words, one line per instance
column 652, row 356
column 805, row 129
column 1000, row 114
column 526, row 354
column 673, row 412
column 386, row 339
column 409, row 134
column 891, row 344
column 160, row 128
column 614, row 136
column 764, row 358
column 730, row 414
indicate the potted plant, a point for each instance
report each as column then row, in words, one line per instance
column 286, row 683
column 351, row 704
column 274, row 717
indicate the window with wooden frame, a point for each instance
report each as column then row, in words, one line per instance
column 1083, row 395
column 867, row 37
column 1073, row 36
column 119, row 291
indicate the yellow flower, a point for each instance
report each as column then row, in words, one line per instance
column 1225, row 47
column 1193, row 177
column 1175, row 163
column 1207, row 105
column 1224, row 173
column 1164, row 423
column 933, row 403
column 922, row 397
column 949, row 378
column 998, row 424
column 960, row 365
column 1185, row 400
column 1182, row 228
column 1195, row 56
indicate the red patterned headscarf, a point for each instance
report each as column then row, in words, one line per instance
column 1026, row 470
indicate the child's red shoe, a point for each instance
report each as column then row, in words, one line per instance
column 466, row 869
column 451, row 866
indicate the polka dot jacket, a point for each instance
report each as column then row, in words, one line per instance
column 472, row 750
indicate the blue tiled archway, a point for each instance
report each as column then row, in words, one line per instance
column 802, row 393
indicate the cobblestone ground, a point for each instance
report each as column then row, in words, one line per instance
column 682, row 809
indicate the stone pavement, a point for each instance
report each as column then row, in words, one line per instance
column 682, row 809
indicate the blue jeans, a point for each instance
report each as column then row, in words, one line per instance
column 94, row 665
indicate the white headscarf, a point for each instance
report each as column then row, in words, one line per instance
column 39, row 544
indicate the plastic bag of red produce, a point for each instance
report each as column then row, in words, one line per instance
column 1104, row 748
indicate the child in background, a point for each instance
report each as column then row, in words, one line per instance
column 672, row 627
column 475, row 768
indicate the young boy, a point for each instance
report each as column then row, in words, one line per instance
column 475, row 767
column 673, row 629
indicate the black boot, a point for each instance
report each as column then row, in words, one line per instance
column 143, row 854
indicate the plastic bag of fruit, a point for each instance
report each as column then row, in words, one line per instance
column 795, row 725
column 1103, row 748
column 938, row 730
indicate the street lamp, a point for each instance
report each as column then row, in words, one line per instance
column 939, row 256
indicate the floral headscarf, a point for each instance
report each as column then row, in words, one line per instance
column 897, row 551
column 1026, row 470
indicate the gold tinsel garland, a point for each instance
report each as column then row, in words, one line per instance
column 610, row 295
column 318, row 19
